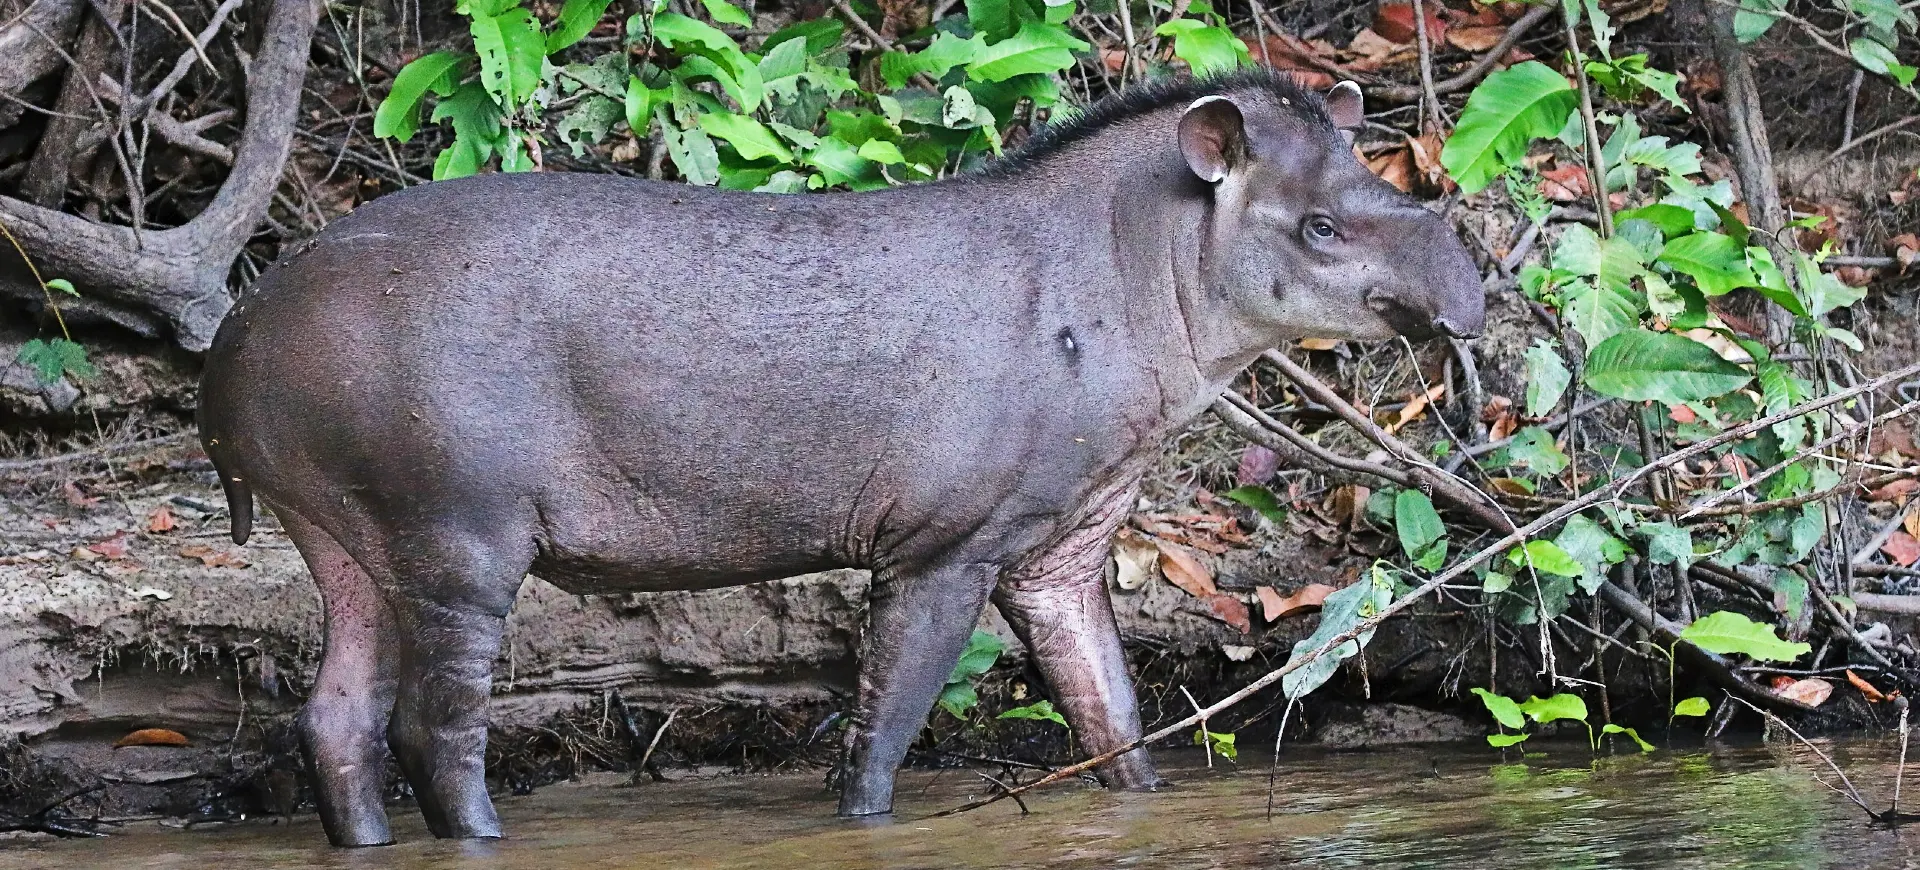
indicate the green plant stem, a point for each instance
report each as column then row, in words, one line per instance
column 1596, row 162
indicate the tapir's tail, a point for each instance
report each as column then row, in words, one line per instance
column 239, row 495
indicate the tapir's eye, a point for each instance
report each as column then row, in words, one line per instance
column 1321, row 228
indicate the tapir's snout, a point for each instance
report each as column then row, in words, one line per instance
column 1438, row 292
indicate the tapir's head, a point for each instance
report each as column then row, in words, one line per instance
column 1303, row 240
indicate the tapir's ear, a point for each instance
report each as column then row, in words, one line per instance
column 1213, row 137
column 1347, row 108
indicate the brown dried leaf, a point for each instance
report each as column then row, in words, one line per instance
column 1510, row 486
column 1257, row 465
column 1273, row 606
column 1319, row 343
column 152, row 737
column 1231, row 611
column 1416, row 407
column 213, row 558
column 111, row 548
column 1134, row 558
column 1867, row 690
column 1373, row 50
column 1185, row 570
column 1395, row 22
column 78, row 497
column 1896, row 491
column 1395, row 167
column 1902, row 548
column 1811, row 691
column 1912, row 523
column 1566, row 183
column 1475, row 37
column 161, row 521
column 1906, row 249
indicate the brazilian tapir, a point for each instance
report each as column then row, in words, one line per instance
column 621, row 385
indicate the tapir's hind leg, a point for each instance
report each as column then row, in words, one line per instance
column 343, row 726
column 450, row 596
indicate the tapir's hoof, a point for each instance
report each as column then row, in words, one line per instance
column 1154, row 784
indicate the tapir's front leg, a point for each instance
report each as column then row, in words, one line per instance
column 920, row 623
column 1057, row 602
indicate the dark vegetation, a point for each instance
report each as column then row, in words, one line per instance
column 1690, row 217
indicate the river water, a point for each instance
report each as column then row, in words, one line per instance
column 1440, row 806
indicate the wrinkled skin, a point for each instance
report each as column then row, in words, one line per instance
column 625, row 386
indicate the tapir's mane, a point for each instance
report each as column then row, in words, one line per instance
column 1143, row 99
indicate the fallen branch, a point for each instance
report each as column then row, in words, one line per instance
column 93, row 454
column 180, row 274
column 1603, row 493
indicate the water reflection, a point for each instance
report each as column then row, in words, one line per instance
column 1451, row 806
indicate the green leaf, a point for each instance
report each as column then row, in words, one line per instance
column 1502, row 741
column 1534, row 448
column 1875, row 57
column 1221, row 744
column 692, row 152
column 588, row 122
column 1422, row 535
column 54, row 358
column 1599, row 311
column 750, row 138
column 839, row 162
column 1638, row 365
column 1503, row 708
column 1205, row 47
column 1503, row 116
column 511, row 50
column 1039, row 710
column 723, row 12
column 577, row 19
column 1037, row 48
column 1339, row 613
column 1715, row 262
column 1611, row 728
column 638, row 106
column 882, row 152
column 1547, row 558
column 476, row 127
column 983, row 649
column 820, row 35
column 1823, row 291
column 1667, row 544
column 958, row 698
column 63, row 285
column 1547, row 376
column 1691, row 707
column 1262, row 500
column 1725, row 632
column 1590, row 544
column 399, row 114
column 992, row 18
column 1751, row 25
column 1672, row 220
column 1555, row 708
column 786, row 60
column 945, row 52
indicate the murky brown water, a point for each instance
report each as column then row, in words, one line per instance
column 1452, row 806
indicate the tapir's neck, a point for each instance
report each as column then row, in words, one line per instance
column 1144, row 220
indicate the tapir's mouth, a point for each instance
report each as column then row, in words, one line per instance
column 1405, row 319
